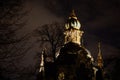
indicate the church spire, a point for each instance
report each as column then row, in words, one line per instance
column 99, row 57
column 42, row 62
column 72, row 27
column 72, row 14
column 42, row 66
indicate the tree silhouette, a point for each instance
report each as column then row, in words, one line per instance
column 12, row 48
column 51, row 37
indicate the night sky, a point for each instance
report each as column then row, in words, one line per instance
column 99, row 20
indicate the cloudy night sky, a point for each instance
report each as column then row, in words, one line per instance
column 99, row 20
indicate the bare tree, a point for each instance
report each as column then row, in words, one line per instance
column 51, row 37
column 11, row 47
column 11, row 13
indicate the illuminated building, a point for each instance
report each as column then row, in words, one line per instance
column 74, row 61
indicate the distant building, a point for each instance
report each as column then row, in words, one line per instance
column 74, row 61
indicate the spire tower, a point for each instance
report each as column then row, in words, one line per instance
column 72, row 14
column 99, row 57
column 42, row 62
column 72, row 29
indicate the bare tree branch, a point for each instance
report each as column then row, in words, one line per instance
column 52, row 35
